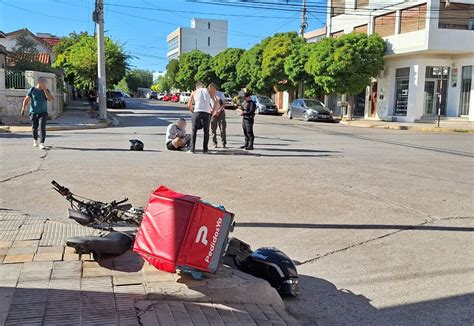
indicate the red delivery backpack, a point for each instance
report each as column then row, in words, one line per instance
column 182, row 230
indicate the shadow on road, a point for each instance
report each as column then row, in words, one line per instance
column 355, row 226
column 328, row 305
column 257, row 153
column 104, row 149
column 22, row 135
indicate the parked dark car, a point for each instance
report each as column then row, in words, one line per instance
column 309, row 110
column 264, row 105
column 115, row 99
column 152, row 95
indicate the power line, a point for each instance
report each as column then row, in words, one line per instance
column 176, row 25
column 319, row 10
column 42, row 14
column 194, row 12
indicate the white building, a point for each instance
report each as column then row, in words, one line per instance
column 429, row 61
column 206, row 35
column 157, row 75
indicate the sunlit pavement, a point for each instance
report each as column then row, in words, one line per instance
column 380, row 221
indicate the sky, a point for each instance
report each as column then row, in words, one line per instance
column 141, row 26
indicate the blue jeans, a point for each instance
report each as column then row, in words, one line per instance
column 38, row 120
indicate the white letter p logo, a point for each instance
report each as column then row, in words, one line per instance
column 202, row 235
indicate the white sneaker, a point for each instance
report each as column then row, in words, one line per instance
column 35, row 143
column 41, row 146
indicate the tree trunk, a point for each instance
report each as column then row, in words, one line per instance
column 350, row 105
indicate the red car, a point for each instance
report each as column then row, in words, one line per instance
column 175, row 98
column 167, row 98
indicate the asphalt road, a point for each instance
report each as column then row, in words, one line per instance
column 379, row 221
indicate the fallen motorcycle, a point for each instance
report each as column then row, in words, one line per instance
column 99, row 215
column 175, row 230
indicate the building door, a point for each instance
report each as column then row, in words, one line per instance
column 436, row 92
column 402, row 83
column 359, row 109
column 466, row 82
column 429, row 97
column 373, row 99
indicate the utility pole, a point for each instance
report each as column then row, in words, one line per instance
column 304, row 19
column 303, row 26
column 98, row 17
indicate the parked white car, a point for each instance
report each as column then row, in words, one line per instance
column 184, row 97
column 229, row 104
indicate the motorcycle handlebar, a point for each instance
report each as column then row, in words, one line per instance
column 121, row 201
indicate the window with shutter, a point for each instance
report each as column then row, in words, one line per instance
column 385, row 25
column 413, row 19
column 337, row 34
column 456, row 16
column 361, row 29
column 338, row 7
column 361, row 3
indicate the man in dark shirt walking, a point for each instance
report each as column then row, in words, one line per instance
column 248, row 113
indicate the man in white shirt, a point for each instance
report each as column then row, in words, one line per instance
column 176, row 137
column 200, row 105
column 218, row 117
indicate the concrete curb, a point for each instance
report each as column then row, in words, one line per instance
column 227, row 286
column 99, row 125
column 405, row 127
column 114, row 121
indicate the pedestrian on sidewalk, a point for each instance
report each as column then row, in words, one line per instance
column 218, row 117
column 248, row 113
column 200, row 105
column 37, row 99
column 93, row 96
column 176, row 137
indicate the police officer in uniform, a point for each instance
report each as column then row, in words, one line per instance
column 248, row 113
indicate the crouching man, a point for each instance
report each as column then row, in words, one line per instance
column 176, row 137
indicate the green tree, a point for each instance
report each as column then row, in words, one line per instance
column 193, row 66
column 278, row 48
column 24, row 44
column 161, row 85
column 295, row 69
column 224, row 65
column 347, row 64
column 122, row 86
column 68, row 41
column 136, row 78
column 249, row 69
column 172, row 69
column 79, row 60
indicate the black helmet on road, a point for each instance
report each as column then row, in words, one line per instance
column 136, row 145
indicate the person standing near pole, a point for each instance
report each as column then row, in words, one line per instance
column 218, row 117
column 37, row 99
column 200, row 105
column 248, row 113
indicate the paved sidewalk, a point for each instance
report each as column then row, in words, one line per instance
column 445, row 125
column 42, row 282
column 74, row 117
